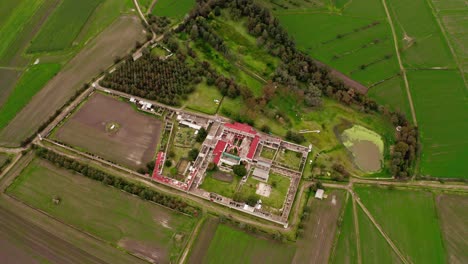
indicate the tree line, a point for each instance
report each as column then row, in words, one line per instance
column 142, row 191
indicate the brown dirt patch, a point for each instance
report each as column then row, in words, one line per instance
column 347, row 80
column 203, row 241
column 454, row 224
column 132, row 145
column 117, row 40
column 149, row 252
column 223, row 176
column 319, row 230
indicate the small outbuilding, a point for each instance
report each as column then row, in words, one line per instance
column 319, row 194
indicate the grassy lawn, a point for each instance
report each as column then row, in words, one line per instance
column 226, row 189
column 203, row 99
column 289, row 159
column 410, row 220
column 175, row 9
column 277, row 195
column 346, row 250
column 267, row 153
column 32, row 80
column 230, row 245
column 64, row 25
column 105, row 212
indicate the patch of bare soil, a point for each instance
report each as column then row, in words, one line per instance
column 148, row 252
column 347, row 80
column 132, row 145
column 454, row 225
column 203, row 241
column 223, row 176
column 8, row 79
column 319, row 230
column 117, row 40
column 366, row 155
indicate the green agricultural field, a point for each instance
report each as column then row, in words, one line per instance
column 13, row 24
column 392, row 94
column 345, row 250
column 410, row 220
column 419, row 37
column 440, row 101
column 175, row 9
column 63, row 26
column 32, row 80
column 203, row 99
column 230, row 245
column 114, row 216
column 374, row 248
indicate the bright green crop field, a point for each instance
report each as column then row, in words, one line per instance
column 232, row 246
column 31, row 82
column 410, row 220
column 346, row 249
column 175, row 9
column 63, row 26
column 103, row 211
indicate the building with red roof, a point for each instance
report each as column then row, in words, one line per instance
column 253, row 147
column 218, row 150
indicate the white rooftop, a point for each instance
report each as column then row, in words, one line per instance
column 319, row 194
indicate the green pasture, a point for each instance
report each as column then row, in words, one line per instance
column 175, row 9
column 392, row 94
column 63, row 26
column 410, row 220
column 203, row 99
column 346, row 250
column 31, row 82
column 230, row 245
column 103, row 211
column 440, row 100
column 12, row 24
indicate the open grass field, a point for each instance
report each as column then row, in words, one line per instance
column 454, row 225
column 8, row 79
column 175, row 9
column 392, row 94
column 118, row 218
column 267, row 153
column 319, row 229
column 374, row 247
column 231, row 245
column 345, row 250
column 204, row 238
column 116, row 40
column 63, row 26
column 440, row 101
column 410, row 220
column 203, row 99
column 224, row 188
column 113, row 130
column 32, row 80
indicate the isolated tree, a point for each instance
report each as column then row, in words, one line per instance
column 239, row 170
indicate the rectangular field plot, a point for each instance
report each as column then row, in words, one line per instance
column 224, row 244
column 440, row 99
column 175, row 9
column 346, row 250
column 141, row 227
column 319, row 229
column 454, row 224
column 409, row 218
column 64, row 25
column 113, row 130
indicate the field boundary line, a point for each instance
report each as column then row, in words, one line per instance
column 379, row 228
column 449, row 44
column 356, row 229
column 402, row 68
column 188, row 246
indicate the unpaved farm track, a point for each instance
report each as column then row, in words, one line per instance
column 31, row 238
